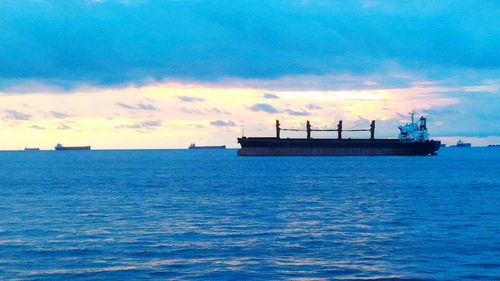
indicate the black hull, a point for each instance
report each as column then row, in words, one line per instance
column 208, row 147
column 334, row 147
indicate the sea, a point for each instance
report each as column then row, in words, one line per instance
column 211, row 215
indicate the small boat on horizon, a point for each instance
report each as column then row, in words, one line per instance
column 194, row 146
column 460, row 143
column 61, row 147
column 31, row 149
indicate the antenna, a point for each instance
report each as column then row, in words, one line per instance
column 412, row 113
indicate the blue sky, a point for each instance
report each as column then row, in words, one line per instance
column 64, row 47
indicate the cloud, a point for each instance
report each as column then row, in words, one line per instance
column 363, row 123
column 475, row 115
column 199, row 126
column 482, row 89
column 265, row 107
column 190, row 99
column 297, row 113
column 63, row 126
column 59, row 115
column 148, row 125
column 37, row 127
column 270, row 96
column 203, row 111
column 16, row 115
column 313, row 106
column 148, row 41
column 221, row 123
column 151, row 124
column 140, row 106
column 217, row 111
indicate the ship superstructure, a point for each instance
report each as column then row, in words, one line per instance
column 414, row 131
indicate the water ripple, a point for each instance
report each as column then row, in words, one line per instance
column 116, row 215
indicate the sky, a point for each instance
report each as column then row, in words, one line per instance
column 164, row 74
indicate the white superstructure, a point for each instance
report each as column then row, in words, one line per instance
column 414, row 131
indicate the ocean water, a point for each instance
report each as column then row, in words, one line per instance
column 210, row 215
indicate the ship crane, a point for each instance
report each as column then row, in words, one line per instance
column 339, row 130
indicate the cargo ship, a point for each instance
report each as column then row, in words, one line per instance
column 413, row 140
column 460, row 143
column 61, row 147
column 194, row 146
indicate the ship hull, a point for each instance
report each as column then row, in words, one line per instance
column 334, row 147
column 73, row 148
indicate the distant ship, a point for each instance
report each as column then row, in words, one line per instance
column 460, row 143
column 494, row 145
column 194, row 146
column 31, row 149
column 443, row 145
column 413, row 140
column 61, row 147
